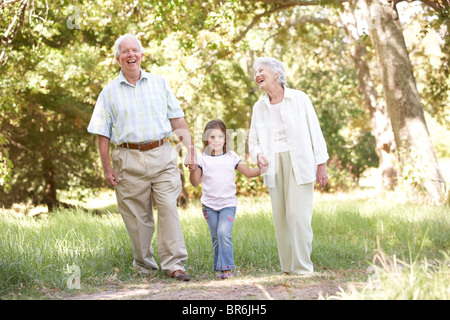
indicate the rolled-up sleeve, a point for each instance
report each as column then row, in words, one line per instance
column 173, row 106
column 100, row 123
column 317, row 140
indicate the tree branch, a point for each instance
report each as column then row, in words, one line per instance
column 309, row 19
column 13, row 26
column 256, row 20
column 284, row 4
column 288, row 2
column 437, row 4
column 4, row 3
column 293, row 3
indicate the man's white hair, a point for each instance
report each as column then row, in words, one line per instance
column 274, row 65
column 121, row 38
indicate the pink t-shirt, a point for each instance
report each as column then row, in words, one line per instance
column 218, row 179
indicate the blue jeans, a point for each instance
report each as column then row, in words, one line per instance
column 220, row 223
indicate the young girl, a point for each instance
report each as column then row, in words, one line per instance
column 216, row 171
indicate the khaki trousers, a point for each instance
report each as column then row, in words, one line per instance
column 142, row 174
column 292, row 207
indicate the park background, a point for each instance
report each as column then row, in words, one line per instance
column 380, row 87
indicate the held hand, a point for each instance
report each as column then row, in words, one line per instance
column 263, row 163
column 111, row 177
column 191, row 161
column 192, row 167
column 263, row 170
column 322, row 176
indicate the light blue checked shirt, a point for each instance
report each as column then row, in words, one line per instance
column 135, row 114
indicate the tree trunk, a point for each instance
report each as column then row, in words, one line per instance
column 50, row 200
column 416, row 152
column 50, row 186
column 380, row 122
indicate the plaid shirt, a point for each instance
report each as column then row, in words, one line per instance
column 135, row 114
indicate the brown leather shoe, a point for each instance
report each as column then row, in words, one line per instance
column 180, row 275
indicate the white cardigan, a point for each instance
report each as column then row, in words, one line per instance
column 304, row 136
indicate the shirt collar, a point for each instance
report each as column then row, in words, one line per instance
column 123, row 79
column 214, row 155
column 288, row 93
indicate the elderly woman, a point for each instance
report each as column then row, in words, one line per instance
column 286, row 139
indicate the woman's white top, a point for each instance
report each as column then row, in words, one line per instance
column 276, row 125
column 305, row 140
column 218, row 179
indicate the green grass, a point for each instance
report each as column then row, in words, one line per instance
column 396, row 280
column 346, row 231
column 35, row 252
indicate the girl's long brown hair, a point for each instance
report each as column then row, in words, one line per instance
column 215, row 124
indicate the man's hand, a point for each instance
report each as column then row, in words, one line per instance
column 180, row 128
column 191, row 160
column 108, row 172
column 111, row 176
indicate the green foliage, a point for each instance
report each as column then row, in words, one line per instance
column 5, row 171
column 250, row 187
column 435, row 92
column 50, row 82
column 57, row 56
column 441, row 137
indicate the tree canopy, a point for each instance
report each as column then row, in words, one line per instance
column 56, row 56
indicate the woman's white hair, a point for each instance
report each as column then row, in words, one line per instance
column 121, row 38
column 274, row 65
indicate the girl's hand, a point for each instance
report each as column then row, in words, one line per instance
column 195, row 175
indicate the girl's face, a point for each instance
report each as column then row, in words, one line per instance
column 216, row 141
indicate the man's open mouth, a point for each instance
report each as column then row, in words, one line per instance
column 131, row 61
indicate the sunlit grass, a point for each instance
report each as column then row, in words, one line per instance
column 36, row 251
column 391, row 279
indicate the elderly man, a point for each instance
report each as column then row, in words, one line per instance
column 138, row 112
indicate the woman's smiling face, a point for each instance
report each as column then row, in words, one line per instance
column 264, row 77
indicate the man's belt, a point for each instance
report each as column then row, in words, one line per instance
column 143, row 146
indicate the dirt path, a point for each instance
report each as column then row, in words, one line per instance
column 279, row 287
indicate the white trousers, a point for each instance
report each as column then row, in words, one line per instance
column 292, row 207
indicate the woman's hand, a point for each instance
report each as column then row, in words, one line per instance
column 263, row 163
column 322, row 175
